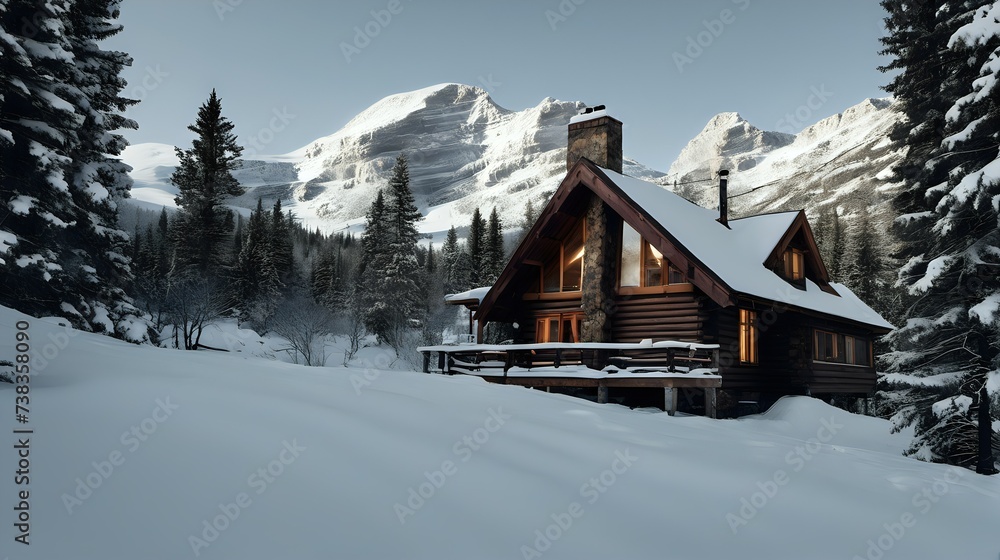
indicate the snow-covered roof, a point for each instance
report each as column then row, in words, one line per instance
column 474, row 294
column 737, row 255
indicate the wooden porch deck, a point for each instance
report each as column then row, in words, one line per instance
column 668, row 365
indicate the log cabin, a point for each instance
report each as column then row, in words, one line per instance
column 615, row 259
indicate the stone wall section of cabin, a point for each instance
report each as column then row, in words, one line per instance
column 600, row 271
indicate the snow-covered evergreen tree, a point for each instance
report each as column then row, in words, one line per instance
column 257, row 278
column 371, row 272
column 391, row 280
column 949, row 347
column 527, row 221
column 401, row 279
column 430, row 262
column 495, row 255
column 280, row 241
column 451, row 273
column 204, row 179
column 60, row 105
column 98, row 179
column 867, row 270
column 477, row 249
column 831, row 238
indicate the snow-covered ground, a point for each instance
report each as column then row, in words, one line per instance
column 140, row 452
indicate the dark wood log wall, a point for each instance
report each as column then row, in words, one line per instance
column 785, row 356
column 780, row 358
column 785, row 344
column 826, row 378
column 659, row 317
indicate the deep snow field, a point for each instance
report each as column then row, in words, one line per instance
column 140, row 452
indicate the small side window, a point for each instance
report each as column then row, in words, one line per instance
column 795, row 265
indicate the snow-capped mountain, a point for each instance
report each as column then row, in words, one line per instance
column 841, row 161
column 728, row 141
column 464, row 151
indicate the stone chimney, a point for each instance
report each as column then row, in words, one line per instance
column 595, row 135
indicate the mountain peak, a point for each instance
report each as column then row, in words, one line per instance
column 728, row 141
column 725, row 119
column 396, row 107
column 838, row 162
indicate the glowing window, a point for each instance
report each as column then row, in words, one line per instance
column 748, row 337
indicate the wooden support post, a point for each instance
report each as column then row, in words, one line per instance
column 441, row 360
column 427, row 361
column 558, row 361
column 710, row 403
column 670, row 400
column 602, row 393
column 447, row 364
column 670, row 359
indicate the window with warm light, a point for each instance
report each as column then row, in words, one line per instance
column 748, row 337
column 572, row 275
column 795, row 264
column 559, row 328
column 564, row 272
column 642, row 265
column 652, row 265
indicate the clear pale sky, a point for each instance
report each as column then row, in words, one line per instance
column 765, row 59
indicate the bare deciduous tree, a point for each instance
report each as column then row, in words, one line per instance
column 305, row 325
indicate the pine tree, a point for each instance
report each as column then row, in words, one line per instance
column 401, row 209
column 99, row 179
column 821, row 227
column 948, row 228
column 923, row 88
column 61, row 250
column 146, row 262
column 204, row 179
column 238, row 238
column 528, row 221
column 430, row 263
column 495, row 255
column 163, row 223
column 401, row 278
column 340, row 291
column 461, row 279
column 371, row 272
column 392, row 291
column 837, row 245
column 449, row 265
column 477, row 249
column 257, row 279
column 322, row 270
column 867, row 273
column 280, row 241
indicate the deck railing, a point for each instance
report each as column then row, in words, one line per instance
column 668, row 365
column 498, row 359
